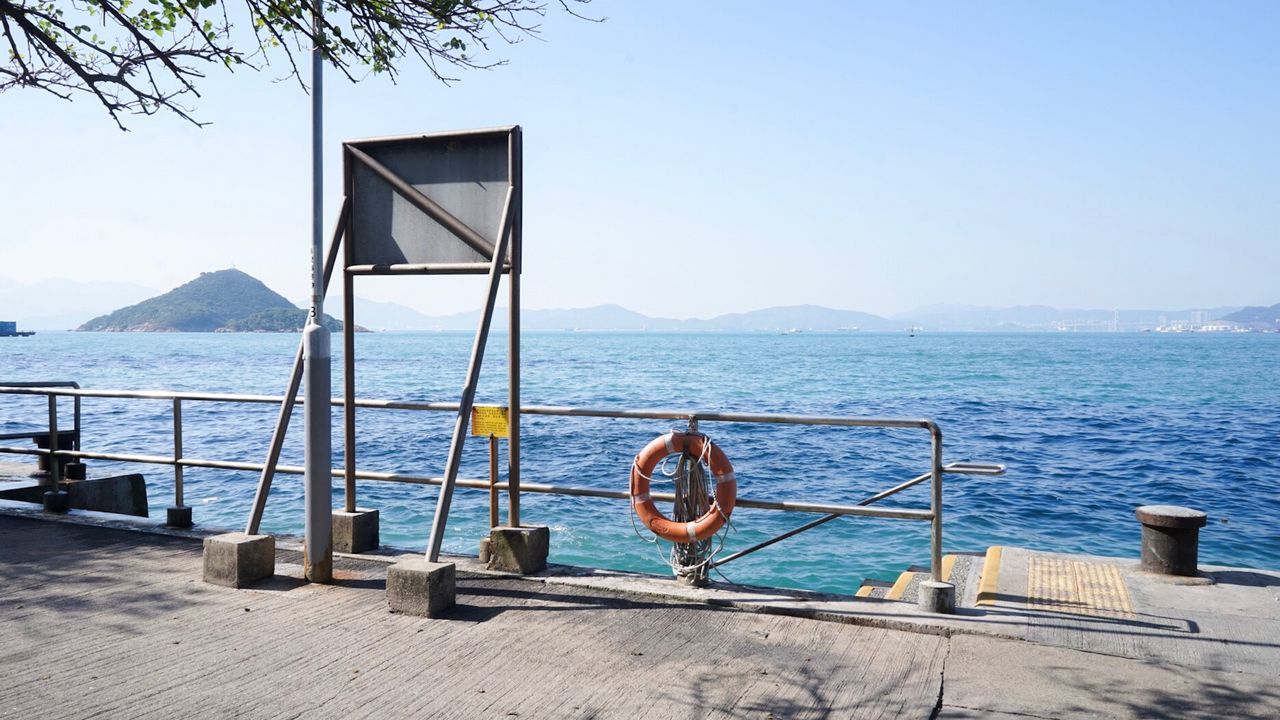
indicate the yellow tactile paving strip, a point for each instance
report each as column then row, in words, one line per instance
column 1070, row 586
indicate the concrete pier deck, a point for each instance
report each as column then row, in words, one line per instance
column 99, row 621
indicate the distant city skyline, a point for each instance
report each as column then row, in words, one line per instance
column 688, row 164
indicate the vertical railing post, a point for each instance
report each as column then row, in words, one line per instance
column 178, row 499
column 55, row 474
column 75, row 419
column 936, row 504
column 515, row 164
column 348, row 387
column 493, row 481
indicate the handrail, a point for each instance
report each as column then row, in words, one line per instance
column 55, row 470
column 831, row 511
column 556, row 410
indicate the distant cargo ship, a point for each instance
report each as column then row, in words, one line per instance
column 10, row 329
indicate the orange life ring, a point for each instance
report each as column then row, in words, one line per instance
column 726, row 487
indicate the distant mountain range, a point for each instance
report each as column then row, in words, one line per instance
column 222, row 301
column 390, row 316
column 62, row 304
column 958, row 318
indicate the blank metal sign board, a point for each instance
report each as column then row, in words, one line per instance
column 430, row 200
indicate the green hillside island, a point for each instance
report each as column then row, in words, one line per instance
column 222, row 301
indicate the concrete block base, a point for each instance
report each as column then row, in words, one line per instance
column 58, row 501
column 417, row 587
column 355, row 532
column 519, row 550
column 237, row 560
column 938, row 597
column 178, row 516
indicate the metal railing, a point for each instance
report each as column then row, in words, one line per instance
column 178, row 461
column 52, row 431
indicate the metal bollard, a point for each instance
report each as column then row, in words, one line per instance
column 1171, row 539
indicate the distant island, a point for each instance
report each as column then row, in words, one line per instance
column 222, row 301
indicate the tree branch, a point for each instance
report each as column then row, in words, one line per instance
column 151, row 54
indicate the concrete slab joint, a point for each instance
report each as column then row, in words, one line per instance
column 418, row 587
column 519, row 549
column 238, row 560
column 355, row 532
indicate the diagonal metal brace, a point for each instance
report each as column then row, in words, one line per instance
column 415, row 197
column 445, row 499
column 959, row 468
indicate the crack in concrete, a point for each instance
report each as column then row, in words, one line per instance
column 942, row 683
column 1004, row 712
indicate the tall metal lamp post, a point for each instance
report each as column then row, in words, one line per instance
column 317, row 560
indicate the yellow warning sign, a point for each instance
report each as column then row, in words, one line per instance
column 489, row 420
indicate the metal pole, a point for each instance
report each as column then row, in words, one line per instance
column 55, row 472
column 348, row 389
column 935, row 434
column 493, row 481
column 317, row 557
column 177, row 453
column 515, row 154
column 469, row 390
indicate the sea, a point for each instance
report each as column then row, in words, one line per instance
column 1089, row 426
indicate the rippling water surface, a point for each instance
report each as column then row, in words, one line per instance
column 1089, row 425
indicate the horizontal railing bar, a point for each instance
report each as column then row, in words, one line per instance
column 967, row 468
column 741, row 502
column 786, row 506
column 726, row 417
column 552, row 410
column 146, row 395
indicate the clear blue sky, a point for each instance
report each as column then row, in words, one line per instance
column 689, row 159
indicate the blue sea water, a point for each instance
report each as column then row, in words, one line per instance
column 1089, row 425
